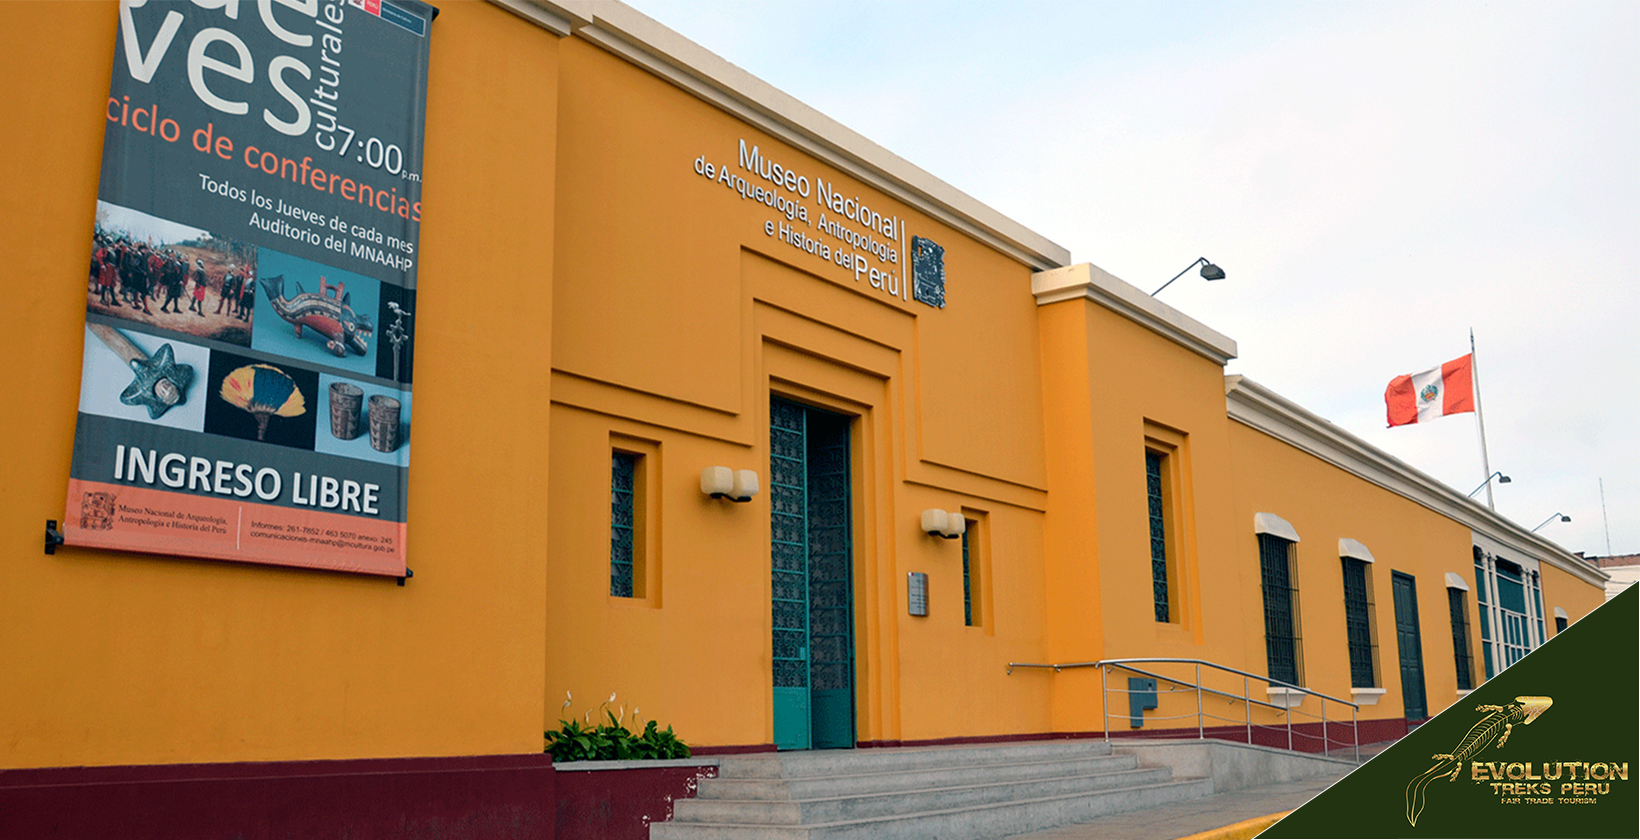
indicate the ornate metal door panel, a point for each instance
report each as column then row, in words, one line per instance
column 811, row 568
column 831, row 602
column 789, row 552
column 1411, row 646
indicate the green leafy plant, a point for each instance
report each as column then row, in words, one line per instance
column 575, row 740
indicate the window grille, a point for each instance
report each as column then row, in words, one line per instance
column 1158, row 535
column 1280, row 608
column 622, row 530
column 967, row 582
column 1516, row 640
column 1483, row 582
column 1358, row 624
column 1536, row 594
column 1460, row 638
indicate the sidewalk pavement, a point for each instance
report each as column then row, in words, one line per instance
column 1182, row 819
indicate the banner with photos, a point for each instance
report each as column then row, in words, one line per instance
column 251, row 285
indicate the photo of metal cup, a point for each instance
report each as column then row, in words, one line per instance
column 384, row 423
column 346, row 402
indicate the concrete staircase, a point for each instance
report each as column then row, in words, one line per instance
column 943, row 793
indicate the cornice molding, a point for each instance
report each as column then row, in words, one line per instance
column 1258, row 407
column 561, row 18
column 639, row 39
column 1090, row 282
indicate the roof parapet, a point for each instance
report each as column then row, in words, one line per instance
column 645, row 42
column 561, row 17
column 1254, row 405
column 1086, row 280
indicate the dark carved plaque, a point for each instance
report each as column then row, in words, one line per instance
column 928, row 272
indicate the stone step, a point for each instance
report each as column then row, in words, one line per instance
column 837, row 762
column 978, row 822
column 881, row 781
column 900, row 802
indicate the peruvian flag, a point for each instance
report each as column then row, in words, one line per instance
column 1437, row 392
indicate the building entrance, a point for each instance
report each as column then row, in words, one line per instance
column 812, row 573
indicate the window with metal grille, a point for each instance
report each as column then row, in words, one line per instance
column 1483, row 582
column 1510, row 597
column 622, row 522
column 1358, row 627
column 1560, row 624
column 967, row 575
column 1460, row 638
column 1510, row 581
column 1280, row 585
column 1158, row 533
column 1535, row 590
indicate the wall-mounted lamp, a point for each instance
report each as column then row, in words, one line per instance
column 942, row 523
column 1563, row 518
column 724, row 483
column 1209, row 272
column 1502, row 479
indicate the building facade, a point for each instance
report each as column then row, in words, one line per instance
column 671, row 275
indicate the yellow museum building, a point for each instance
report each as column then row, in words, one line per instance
column 730, row 411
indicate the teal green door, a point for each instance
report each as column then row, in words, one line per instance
column 1410, row 644
column 812, row 563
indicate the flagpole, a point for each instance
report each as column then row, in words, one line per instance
column 1480, row 417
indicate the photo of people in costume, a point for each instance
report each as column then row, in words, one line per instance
column 172, row 276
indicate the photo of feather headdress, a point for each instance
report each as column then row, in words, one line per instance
column 264, row 391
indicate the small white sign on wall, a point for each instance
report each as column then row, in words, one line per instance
column 917, row 593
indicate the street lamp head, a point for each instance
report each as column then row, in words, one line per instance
column 1561, row 516
column 1502, row 479
column 1209, row 272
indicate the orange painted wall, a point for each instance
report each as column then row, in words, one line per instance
column 676, row 316
column 1111, row 383
column 116, row 658
column 1564, row 590
column 1112, row 377
column 583, row 287
column 1325, row 504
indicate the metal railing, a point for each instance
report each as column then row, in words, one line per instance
column 1185, row 685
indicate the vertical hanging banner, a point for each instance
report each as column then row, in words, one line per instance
column 251, row 295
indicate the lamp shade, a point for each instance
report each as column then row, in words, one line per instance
column 745, row 485
column 717, row 481
column 935, row 521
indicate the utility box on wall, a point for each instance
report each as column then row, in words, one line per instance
column 1141, row 696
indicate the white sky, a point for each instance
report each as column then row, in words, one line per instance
column 1375, row 179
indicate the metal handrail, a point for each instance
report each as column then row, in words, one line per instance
column 1246, row 697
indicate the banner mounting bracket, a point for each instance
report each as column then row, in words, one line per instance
column 54, row 537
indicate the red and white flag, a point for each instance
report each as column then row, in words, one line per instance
column 1423, row 396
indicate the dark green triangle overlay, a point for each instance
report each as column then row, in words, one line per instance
column 1592, row 670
